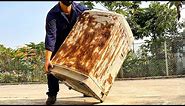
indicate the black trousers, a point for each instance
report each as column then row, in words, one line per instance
column 53, row 85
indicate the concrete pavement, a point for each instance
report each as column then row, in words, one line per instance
column 125, row 92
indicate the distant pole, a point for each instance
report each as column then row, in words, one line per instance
column 166, row 58
column 133, row 48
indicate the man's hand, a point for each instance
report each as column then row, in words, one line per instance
column 47, row 65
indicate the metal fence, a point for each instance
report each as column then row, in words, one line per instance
column 24, row 76
column 168, row 60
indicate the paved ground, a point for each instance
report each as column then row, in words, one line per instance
column 126, row 92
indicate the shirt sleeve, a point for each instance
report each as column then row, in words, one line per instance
column 51, row 29
column 83, row 8
column 80, row 8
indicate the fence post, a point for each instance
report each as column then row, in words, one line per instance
column 166, row 58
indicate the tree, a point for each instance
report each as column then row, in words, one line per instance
column 121, row 7
column 35, row 56
column 7, row 65
column 155, row 21
column 178, row 5
column 23, row 64
column 6, row 55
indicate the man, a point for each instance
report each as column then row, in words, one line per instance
column 59, row 22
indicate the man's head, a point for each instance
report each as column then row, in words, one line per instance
column 66, row 2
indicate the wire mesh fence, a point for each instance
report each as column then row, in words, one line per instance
column 166, row 60
column 23, row 77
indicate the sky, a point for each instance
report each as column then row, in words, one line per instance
column 22, row 22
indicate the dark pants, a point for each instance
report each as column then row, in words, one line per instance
column 53, row 85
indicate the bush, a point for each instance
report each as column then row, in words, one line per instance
column 8, row 78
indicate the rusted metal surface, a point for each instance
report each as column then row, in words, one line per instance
column 96, row 47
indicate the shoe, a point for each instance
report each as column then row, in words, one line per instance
column 51, row 100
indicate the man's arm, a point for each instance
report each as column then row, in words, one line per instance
column 50, row 40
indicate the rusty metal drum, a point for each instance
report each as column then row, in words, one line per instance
column 91, row 56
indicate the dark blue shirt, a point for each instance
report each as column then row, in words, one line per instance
column 58, row 26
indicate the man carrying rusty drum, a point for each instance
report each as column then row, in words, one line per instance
column 59, row 22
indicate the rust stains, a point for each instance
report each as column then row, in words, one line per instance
column 96, row 41
column 110, row 53
column 109, row 80
column 91, row 43
column 83, row 17
column 102, row 15
column 76, row 55
column 115, row 18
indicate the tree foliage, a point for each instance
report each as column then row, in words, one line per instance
column 23, row 64
column 178, row 5
column 156, row 21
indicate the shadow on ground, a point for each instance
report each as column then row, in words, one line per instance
column 60, row 101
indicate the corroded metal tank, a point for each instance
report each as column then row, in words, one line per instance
column 89, row 59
